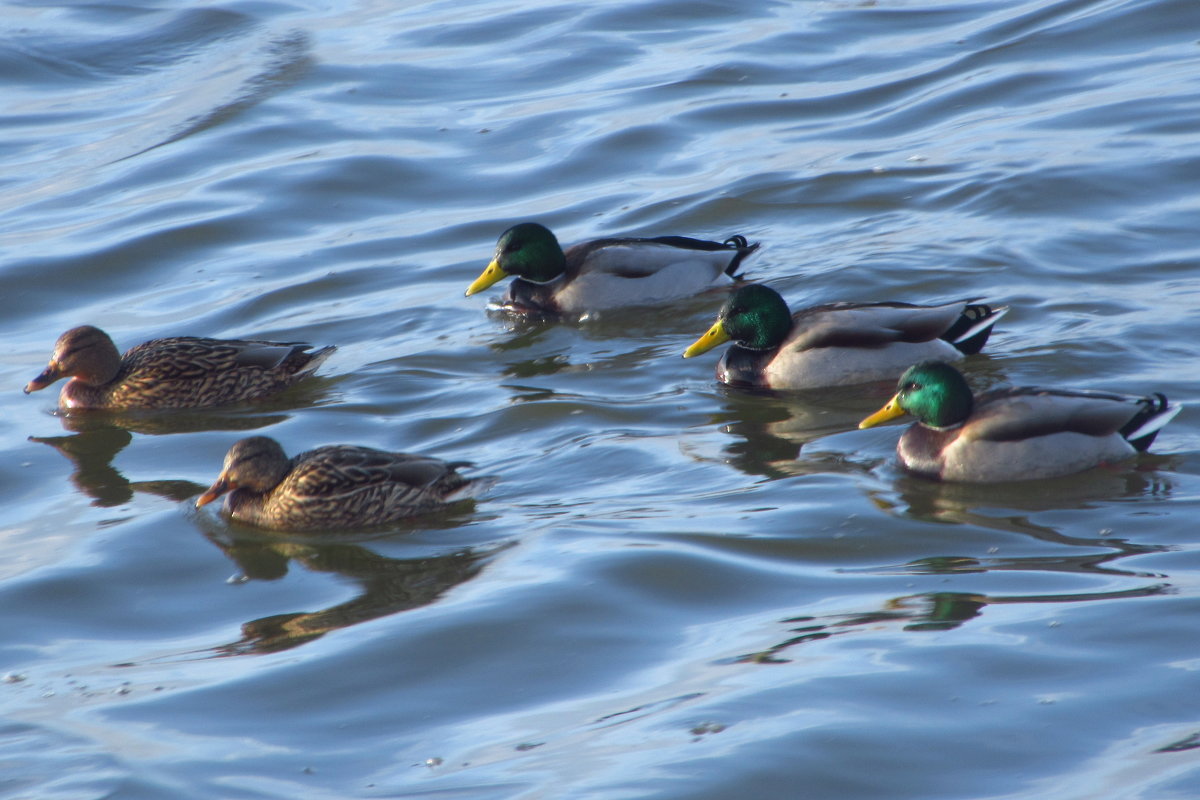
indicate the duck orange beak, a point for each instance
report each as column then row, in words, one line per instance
column 219, row 488
column 888, row 412
column 49, row 375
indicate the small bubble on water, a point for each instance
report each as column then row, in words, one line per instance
column 13, row 677
column 433, row 762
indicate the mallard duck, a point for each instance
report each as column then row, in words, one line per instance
column 838, row 343
column 181, row 372
column 605, row 273
column 329, row 488
column 1017, row 433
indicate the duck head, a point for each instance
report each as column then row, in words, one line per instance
column 528, row 251
column 84, row 353
column 257, row 464
column 933, row 391
column 754, row 316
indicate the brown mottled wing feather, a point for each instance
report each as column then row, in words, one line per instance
column 187, row 371
column 364, row 486
column 191, row 357
column 1023, row 412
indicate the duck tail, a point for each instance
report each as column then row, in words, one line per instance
column 970, row 331
column 315, row 359
column 744, row 248
column 1155, row 413
column 457, row 487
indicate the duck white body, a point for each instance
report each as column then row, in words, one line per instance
column 1017, row 433
column 841, row 344
column 845, row 366
column 605, row 274
column 624, row 275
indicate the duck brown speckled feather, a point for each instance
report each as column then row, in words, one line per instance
column 330, row 488
column 179, row 372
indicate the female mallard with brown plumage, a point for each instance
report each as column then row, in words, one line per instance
column 180, row 372
column 605, row 273
column 330, row 488
column 836, row 344
column 1016, row 433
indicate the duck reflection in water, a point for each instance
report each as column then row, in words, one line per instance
column 915, row 613
column 770, row 429
column 97, row 438
column 386, row 585
column 1010, row 507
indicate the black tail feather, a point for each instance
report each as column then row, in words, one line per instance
column 744, row 248
column 971, row 331
column 1156, row 412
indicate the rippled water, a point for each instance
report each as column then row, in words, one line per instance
column 673, row 590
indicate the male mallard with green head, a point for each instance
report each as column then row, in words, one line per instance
column 181, row 372
column 1016, row 433
column 605, row 273
column 330, row 488
column 836, row 344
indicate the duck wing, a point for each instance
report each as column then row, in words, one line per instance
column 1022, row 412
column 871, row 324
column 194, row 357
column 343, row 470
column 630, row 257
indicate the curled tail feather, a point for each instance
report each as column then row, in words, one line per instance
column 744, row 248
column 1156, row 412
column 971, row 331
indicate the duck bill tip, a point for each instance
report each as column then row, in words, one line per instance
column 216, row 490
column 491, row 275
column 714, row 336
column 48, row 376
column 890, row 411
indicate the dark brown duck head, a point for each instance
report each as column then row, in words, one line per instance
column 84, row 353
column 256, row 464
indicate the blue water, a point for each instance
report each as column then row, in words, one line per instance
column 673, row 589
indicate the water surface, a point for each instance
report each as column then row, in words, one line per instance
column 673, row 589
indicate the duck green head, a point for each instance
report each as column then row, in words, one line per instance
column 934, row 392
column 527, row 250
column 754, row 316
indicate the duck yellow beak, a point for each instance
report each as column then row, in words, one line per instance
column 889, row 411
column 49, row 375
column 491, row 275
column 219, row 488
column 716, row 335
